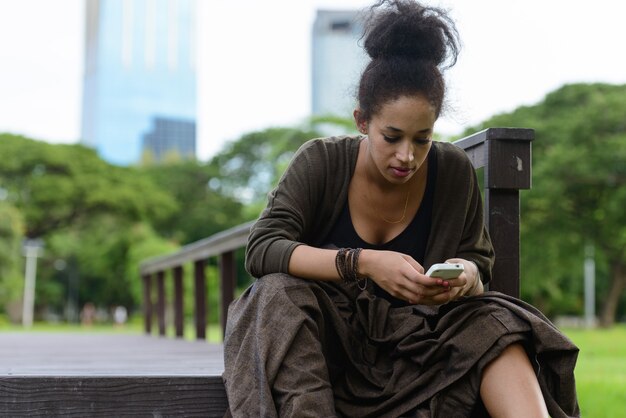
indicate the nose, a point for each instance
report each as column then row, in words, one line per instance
column 404, row 153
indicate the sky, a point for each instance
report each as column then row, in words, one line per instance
column 254, row 61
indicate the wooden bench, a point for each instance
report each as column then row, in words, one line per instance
column 151, row 376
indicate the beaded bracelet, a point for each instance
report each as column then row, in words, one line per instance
column 340, row 261
column 347, row 265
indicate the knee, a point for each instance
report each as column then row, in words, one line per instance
column 283, row 294
column 264, row 302
column 278, row 282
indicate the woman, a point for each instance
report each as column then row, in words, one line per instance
column 342, row 320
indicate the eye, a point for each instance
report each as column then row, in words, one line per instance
column 390, row 139
column 422, row 141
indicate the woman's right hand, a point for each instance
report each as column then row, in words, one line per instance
column 403, row 277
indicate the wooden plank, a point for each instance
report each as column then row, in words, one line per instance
column 224, row 241
column 66, row 354
column 509, row 165
column 478, row 155
column 503, row 223
column 147, row 303
column 112, row 396
column 179, row 320
column 228, row 274
column 100, row 375
column 472, row 141
column 161, row 302
column 201, row 297
column 504, row 150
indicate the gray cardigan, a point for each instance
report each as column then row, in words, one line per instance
column 312, row 192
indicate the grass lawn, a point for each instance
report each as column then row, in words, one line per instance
column 601, row 371
column 134, row 326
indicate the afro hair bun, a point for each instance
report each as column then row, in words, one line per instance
column 402, row 28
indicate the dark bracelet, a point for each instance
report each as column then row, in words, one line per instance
column 340, row 262
column 361, row 281
column 347, row 265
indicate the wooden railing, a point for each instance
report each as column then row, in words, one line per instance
column 505, row 154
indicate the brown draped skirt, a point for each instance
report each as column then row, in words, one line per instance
column 303, row 348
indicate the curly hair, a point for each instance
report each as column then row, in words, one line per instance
column 409, row 46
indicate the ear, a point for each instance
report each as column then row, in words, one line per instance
column 361, row 124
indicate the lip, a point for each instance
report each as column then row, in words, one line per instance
column 401, row 171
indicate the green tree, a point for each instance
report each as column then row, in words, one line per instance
column 11, row 278
column 248, row 168
column 578, row 195
column 57, row 186
column 102, row 263
column 203, row 211
column 88, row 212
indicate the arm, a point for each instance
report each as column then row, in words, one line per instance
column 397, row 273
column 313, row 263
column 303, row 206
column 280, row 227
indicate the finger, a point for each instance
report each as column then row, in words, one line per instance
column 444, row 283
column 424, row 280
column 418, row 284
column 417, row 266
column 421, row 289
column 457, row 282
column 420, row 294
column 437, row 299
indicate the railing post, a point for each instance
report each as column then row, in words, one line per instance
column 147, row 303
column 178, row 301
column 161, row 302
column 502, row 221
column 508, row 170
column 228, row 273
column 200, row 296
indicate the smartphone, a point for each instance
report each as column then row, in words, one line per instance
column 445, row 270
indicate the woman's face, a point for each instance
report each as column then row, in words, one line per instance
column 400, row 136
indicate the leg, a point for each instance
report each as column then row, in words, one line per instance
column 302, row 387
column 273, row 351
column 509, row 387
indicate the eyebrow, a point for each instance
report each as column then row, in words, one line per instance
column 391, row 128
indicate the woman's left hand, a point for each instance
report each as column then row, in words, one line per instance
column 467, row 284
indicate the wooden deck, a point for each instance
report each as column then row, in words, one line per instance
column 109, row 375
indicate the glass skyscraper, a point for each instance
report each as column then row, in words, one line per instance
column 140, row 68
column 337, row 62
column 170, row 138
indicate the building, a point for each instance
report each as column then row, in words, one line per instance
column 170, row 138
column 140, row 67
column 337, row 60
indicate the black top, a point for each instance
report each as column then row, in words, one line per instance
column 411, row 241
